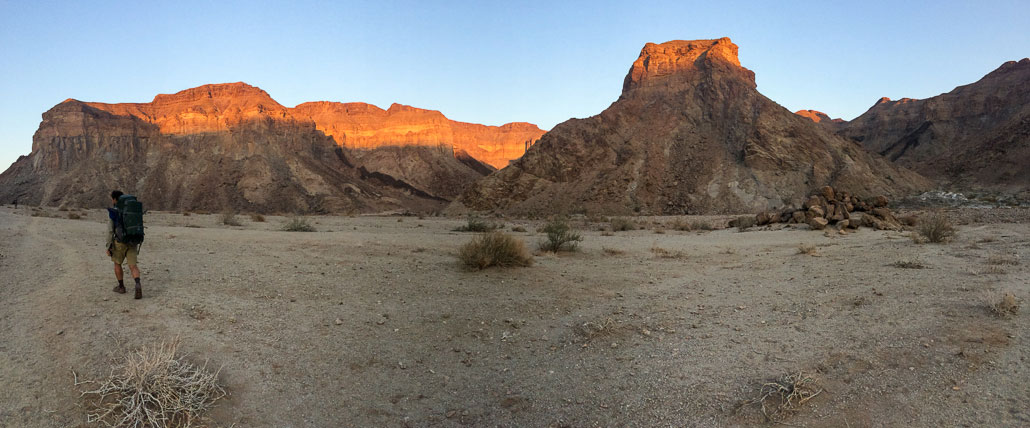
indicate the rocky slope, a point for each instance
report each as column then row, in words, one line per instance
column 232, row 147
column 365, row 126
column 976, row 136
column 689, row 134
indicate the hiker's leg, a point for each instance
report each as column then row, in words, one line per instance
column 118, row 272
column 135, row 271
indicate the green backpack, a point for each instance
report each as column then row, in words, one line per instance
column 129, row 227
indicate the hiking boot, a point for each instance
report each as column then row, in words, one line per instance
column 119, row 289
column 139, row 292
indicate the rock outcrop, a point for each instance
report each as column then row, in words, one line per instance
column 689, row 134
column 225, row 147
column 976, row 136
column 822, row 119
column 365, row 126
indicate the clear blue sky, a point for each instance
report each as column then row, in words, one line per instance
column 481, row 61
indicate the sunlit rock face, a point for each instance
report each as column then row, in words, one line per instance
column 821, row 118
column 365, row 126
column 232, row 147
column 976, row 136
column 689, row 134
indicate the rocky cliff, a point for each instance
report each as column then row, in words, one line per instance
column 976, row 136
column 822, row 119
column 689, row 134
column 219, row 147
column 365, row 126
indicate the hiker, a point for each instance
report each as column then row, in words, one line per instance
column 123, row 240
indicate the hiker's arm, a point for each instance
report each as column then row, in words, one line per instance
column 110, row 235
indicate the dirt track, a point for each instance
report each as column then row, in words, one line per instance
column 587, row 339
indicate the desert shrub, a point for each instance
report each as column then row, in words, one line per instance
column 1003, row 305
column 154, row 387
column 908, row 264
column 936, row 228
column 229, row 219
column 744, row 222
column 612, row 251
column 620, row 224
column 659, row 231
column 74, row 216
column 186, row 214
column 806, row 249
column 560, row 237
column 494, row 249
column 298, row 224
column 667, row 254
column 475, row 224
column 63, row 209
column 780, row 397
column 257, row 218
column 518, row 229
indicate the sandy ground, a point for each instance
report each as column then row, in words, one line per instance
column 593, row 338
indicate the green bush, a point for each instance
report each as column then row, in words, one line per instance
column 475, row 224
column 494, row 249
column 560, row 237
column 298, row 224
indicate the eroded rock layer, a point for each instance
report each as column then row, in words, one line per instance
column 689, row 134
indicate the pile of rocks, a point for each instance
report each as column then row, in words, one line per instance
column 828, row 207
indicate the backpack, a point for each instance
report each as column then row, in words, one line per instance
column 128, row 220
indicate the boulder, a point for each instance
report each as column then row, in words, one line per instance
column 798, row 217
column 762, row 218
column 815, row 211
column 879, row 201
column 818, row 223
column 827, row 193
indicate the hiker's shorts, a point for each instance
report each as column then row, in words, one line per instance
column 123, row 253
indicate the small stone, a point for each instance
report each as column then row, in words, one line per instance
column 451, row 414
column 338, row 322
column 615, row 345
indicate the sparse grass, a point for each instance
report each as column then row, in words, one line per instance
column 475, row 224
column 667, row 254
column 683, row 225
column 612, row 251
column 786, row 395
column 560, row 237
column 807, row 250
column 1001, row 304
column 154, row 387
column 494, row 249
column 620, row 224
column 257, row 218
column 590, row 330
column 229, row 219
column 936, row 228
column 74, row 216
column 298, row 224
column 908, row 264
column 745, row 222
column 607, row 233
column 1000, row 260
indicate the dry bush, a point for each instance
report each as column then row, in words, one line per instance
column 908, row 264
column 936, row 228
column 229, row 219
column 560, row 237
column 590, row 330
column 612, row 251
column 620, row 224
column 659, row 231
column 786, row 395
column 744, row 222
column 298, row 224
column 807, row 250
column 494, row 249
column 518, row 229
column 475, row 224
column 186, row 214
column 1003, row 305
column 74, row 216
column 63, row 209
column 667, row 254
column 607, row 233
column 153, row 388
column 257, row 218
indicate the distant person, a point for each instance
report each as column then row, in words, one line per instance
column 15, row 204
column 124, row 237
